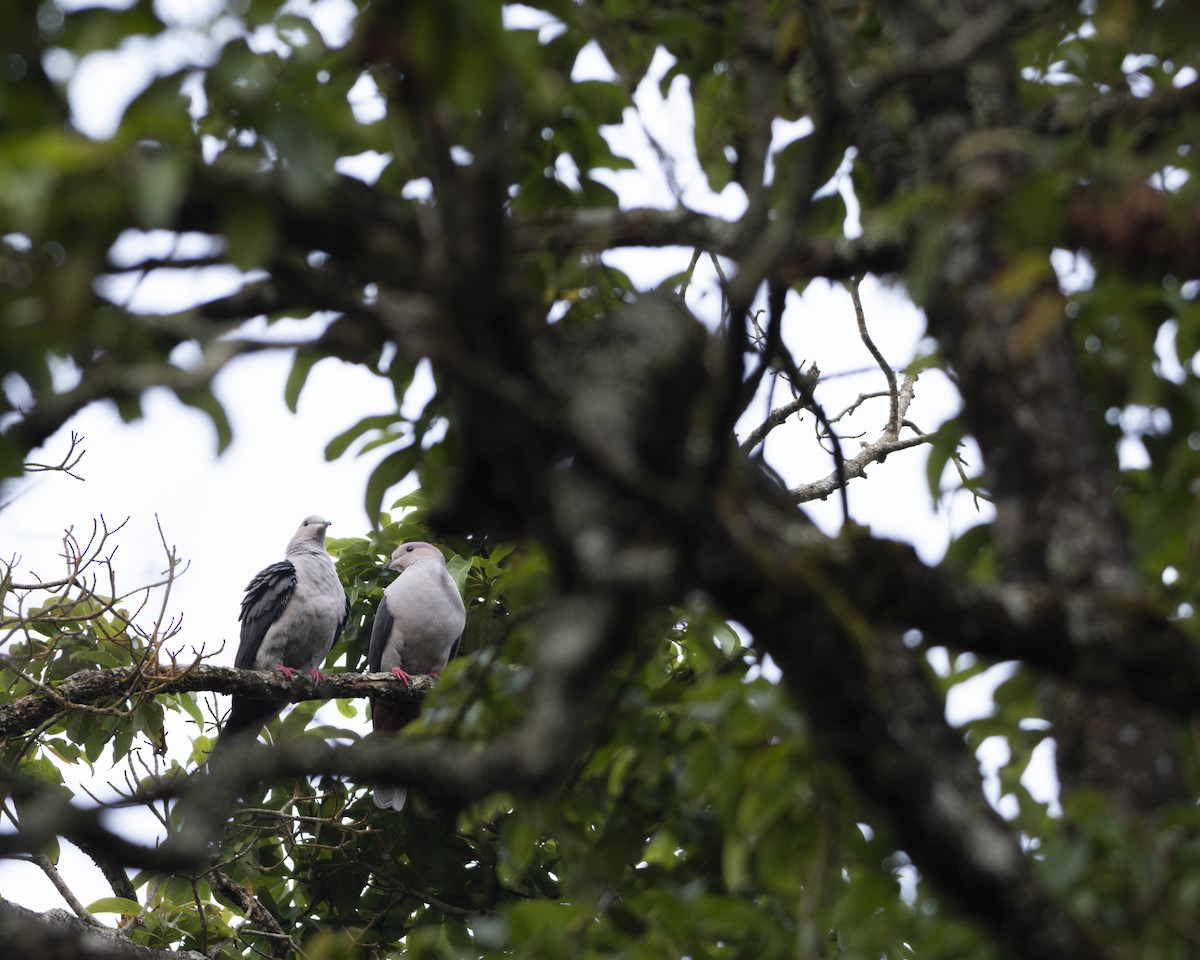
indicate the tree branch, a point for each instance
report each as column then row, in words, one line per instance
column 91, row 687
column 892, row 429
column 282, row 945
column 609, row 228
column 1148, row 120
column 856, row 466
column 56, row 935
column 956, row 49
column 51, row 871
column 775, row 418
column 874, row 712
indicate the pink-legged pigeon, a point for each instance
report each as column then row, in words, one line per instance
column 418, row 629
column 291, row 615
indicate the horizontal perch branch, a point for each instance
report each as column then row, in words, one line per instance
column 124, row 683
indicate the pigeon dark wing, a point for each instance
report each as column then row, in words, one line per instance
column 266, row 598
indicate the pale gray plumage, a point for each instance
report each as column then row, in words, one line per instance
column 291, row 615
column 418, row 628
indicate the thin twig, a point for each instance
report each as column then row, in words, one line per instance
column 862, row 398
column 691, row 269
column 147, row 904
column 66, row 465
column 667, row 164
column 723, row 282
column 802, row 386
column 894, row 414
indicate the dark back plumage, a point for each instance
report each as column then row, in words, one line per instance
column 380, row 631
column 266, row 598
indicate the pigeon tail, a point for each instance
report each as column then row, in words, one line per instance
column 390, row 798
column 246, row 719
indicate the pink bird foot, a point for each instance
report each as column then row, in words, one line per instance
column 403, row 675
column 287, row 672
column 317, row 675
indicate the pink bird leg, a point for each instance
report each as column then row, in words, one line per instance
column 316, row 674
column 287, row 672
column 403, row 675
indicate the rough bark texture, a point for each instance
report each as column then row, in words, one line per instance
column 1057, row 518
column 58, row 935
column 105, row 687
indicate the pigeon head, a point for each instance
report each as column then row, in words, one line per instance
column 311, row 529
column 407, row 554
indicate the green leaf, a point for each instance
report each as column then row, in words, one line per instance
column 250, row 231
column 115, row 905
column 713, row 130
column 597, row 194
column 207, row 402
column 122, row 741
column 973, row 552
column 188, row 704
column 43, row 770
column 1065, row 861
column 101, row 657
column 459, row 568
column 391, row 470
column 95, row 744
column 341, row 443
column 604, row 101
column 414, row 500
column 945, row 444
column 727, row 638
column 302, row 365
column 162, row 182
column 735, row 862
column 148, row 720
column 66, row 751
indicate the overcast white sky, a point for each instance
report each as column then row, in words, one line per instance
column 231, row 515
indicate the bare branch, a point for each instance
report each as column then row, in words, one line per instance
column 775, row 418
column 893, row 425
column 51, row 872
column 68, row 463
column 856, row 466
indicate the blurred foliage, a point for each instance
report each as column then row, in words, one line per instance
column 701, row 824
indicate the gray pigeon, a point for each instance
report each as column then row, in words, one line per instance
column 418, row 629
column 291, row 615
